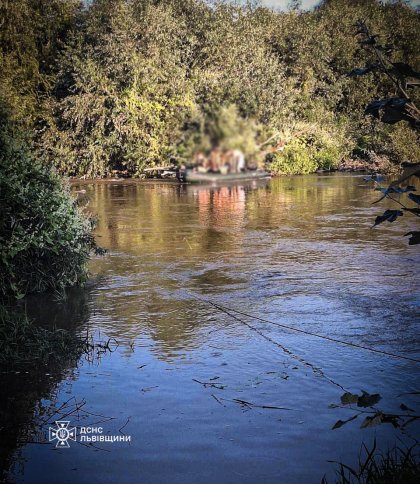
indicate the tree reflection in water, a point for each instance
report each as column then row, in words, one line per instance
column 30, row 387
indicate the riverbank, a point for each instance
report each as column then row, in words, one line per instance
column 348, row 166
column 371, row 163
column 300, row 104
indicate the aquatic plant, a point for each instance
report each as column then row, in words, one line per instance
column 395, row 466
column 25, row 342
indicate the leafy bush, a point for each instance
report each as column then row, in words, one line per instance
column 310, row 146
column 296, row 158
column 404, row 143
column 230, row 131
column 122, row 85
column 45, row 240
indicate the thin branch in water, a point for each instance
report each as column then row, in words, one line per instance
column 207, row 384
column 245, row 403
column 217, row 400
column 120, row 430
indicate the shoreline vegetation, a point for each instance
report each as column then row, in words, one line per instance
column 46, row 238
column 112, row 88
column 117, row 86
column 45, row 243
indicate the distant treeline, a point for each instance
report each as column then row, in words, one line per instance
column 127, row 84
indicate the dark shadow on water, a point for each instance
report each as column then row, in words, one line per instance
column 28, row 386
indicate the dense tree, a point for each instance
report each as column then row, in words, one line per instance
column 125, row 84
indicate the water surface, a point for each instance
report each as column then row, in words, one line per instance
column 297, row 251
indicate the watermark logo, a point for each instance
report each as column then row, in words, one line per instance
column 90, row 435
column 62, row 434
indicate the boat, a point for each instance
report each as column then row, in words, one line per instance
column 193, row 176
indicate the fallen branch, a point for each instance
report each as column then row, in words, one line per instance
column 207, row 384
column 245, row 403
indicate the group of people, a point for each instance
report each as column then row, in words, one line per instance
column 219, row 161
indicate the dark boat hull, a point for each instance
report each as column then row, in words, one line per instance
column 191, row 176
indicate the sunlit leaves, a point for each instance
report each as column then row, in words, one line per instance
column 119, row 85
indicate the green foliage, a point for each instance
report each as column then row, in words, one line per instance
column 297, row 157
column 31, row 35
column 125, row 101
column 404, row 143
column 123, row 85
column 45, row 239
column 230, row 131
column 310, row 146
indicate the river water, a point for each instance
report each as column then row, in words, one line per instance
column 194, row 391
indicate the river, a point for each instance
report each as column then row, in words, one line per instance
column 195, row 391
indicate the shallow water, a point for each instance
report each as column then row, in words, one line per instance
column 296, row 251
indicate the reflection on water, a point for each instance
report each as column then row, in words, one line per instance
column 298, row 251
column 28, row 393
